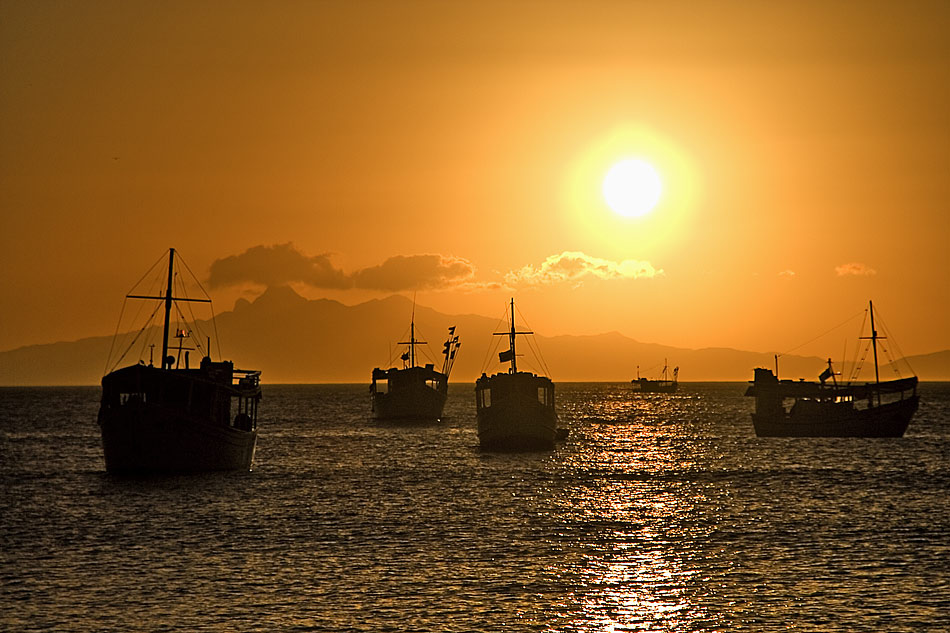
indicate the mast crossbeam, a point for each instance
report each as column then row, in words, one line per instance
column 163, row 298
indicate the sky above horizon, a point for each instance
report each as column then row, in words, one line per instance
column 456, row 151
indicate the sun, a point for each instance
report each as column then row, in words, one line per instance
column 632, row 188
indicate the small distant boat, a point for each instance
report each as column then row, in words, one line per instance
column 789, row 408
column 667, row 383
column 515, row 409
column 414, row 393
column 172, row 418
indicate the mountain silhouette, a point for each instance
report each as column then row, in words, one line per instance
column 296, row 340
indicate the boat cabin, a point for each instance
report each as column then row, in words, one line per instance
column 395, row 380
column 215, row 392
column 504, row 387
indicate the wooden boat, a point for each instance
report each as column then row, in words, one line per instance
column 667, row 383
column 170, row 418
column 414, row 393
column 788, row 408
column 515, row 409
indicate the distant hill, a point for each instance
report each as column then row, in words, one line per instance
column 292, row 339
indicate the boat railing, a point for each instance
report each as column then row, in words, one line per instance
column 246, row 378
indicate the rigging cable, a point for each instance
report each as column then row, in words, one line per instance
column 491, row 348
column 135, row 338
column 897, row 347
column 118, row 324
column 821, row 335
column 858, row 364
column 214, row 322
column 534, row 347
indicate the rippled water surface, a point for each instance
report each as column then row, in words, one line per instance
column 659, row 513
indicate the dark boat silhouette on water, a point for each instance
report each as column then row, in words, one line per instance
column 668, row 382
column 172, row 418
column 414, row 393
column 515, row 409
column 788, row 408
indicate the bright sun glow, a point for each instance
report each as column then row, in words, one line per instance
column 632, row 188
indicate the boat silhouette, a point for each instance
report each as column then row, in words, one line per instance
column 827, row 408
column 515, row 410
column 174, row 418
column 668, row 382
column 413, row 392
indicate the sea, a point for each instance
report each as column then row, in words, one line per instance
column 657, row 513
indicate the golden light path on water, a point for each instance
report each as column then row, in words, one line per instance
column 647, row 568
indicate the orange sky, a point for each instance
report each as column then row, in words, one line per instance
column 804, row 149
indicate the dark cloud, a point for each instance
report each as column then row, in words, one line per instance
column 415, row 272
column 283, row 263
column 275, row 265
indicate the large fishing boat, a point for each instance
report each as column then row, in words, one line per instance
column 515, row 409
column 667, row 382
column 174, row 418
column 413, row 392
column 789, row 408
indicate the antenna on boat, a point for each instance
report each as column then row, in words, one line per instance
column 844, row 357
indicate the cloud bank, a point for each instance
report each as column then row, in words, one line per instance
column 575, row 267
column 854, row 268
column 283, row 263
column 415, row 272
column 276, row 265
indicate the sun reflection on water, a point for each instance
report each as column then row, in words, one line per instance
column 645, row 522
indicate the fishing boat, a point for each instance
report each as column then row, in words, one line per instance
column 515, row 409
column 174, row 418
column 827, row 408
column 413, row 392
column 667, row 382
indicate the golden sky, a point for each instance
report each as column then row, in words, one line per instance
column 457, row 149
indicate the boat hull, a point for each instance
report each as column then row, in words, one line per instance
column 517, row 425
column 515, row 412
column 655, row 386
column 416, row 403
column 887, row 420
column 151, row 439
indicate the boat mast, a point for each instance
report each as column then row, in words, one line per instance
column 168, row 305
column 168, row 298
column 511, row 334
column 511, row 338
column 877, row 376
column 412, row 342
